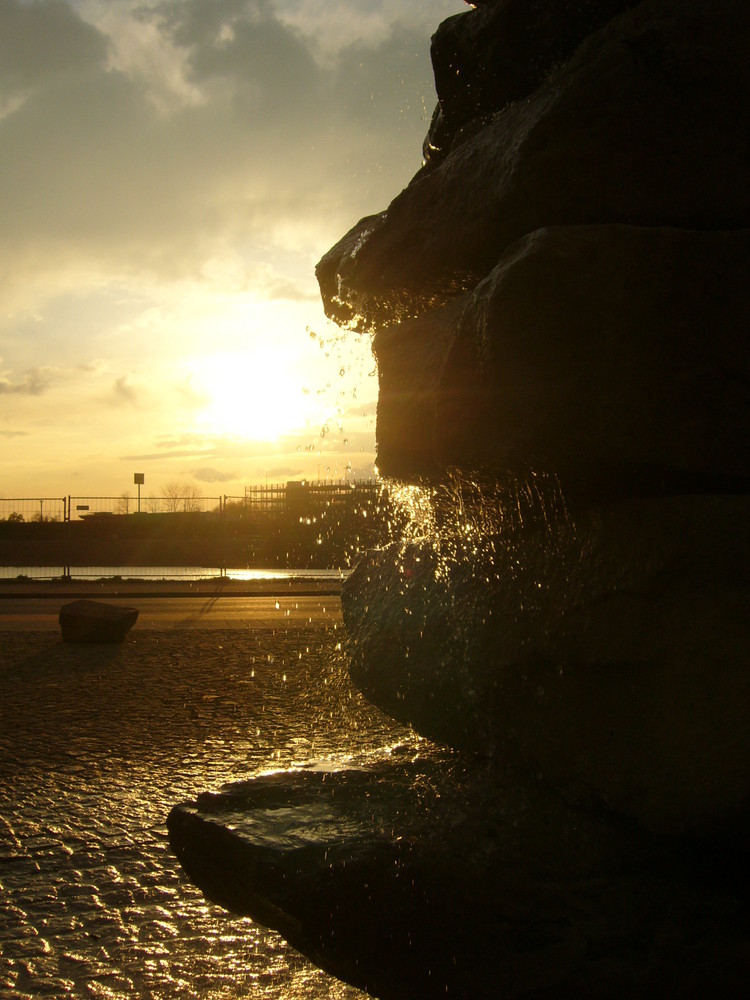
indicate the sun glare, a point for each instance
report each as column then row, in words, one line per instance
column 260, row 395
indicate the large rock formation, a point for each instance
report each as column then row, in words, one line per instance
column 562, row 292
column 520, row 232
column 560, row 305
column 610, row 657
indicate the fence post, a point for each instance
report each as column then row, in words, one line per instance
column 223, row 534
column 68, row 542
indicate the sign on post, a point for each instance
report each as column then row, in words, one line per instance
column 139, row 478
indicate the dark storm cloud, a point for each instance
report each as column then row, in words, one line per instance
column 195, row 22
column 274, row 76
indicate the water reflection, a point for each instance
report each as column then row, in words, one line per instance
column 96, row 745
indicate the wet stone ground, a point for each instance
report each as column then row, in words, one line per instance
column 96, row 745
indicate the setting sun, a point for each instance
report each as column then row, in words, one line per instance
column 259, row 395
column 160, row 306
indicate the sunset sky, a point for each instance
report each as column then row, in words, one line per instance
column 170, row 173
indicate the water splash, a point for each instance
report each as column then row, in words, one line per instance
column 477, row 520
column 474, row 568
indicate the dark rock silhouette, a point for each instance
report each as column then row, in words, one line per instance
column 560, row 304
column 95, row 621
column 614, row 355
column 640, row 127
column 564, row 297
column 412, row 879
column 501, row 54
column 609, row 659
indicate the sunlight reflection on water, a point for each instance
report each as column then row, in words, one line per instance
column 169, row 573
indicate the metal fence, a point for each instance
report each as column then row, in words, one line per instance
column 33, row 509
column 83, row 507
column 297, row 524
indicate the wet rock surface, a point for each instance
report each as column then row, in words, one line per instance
column 643, row 389
column 410, row 878
column 634, row 137
column 560, row 296
column 608, row 652
column 499, row 54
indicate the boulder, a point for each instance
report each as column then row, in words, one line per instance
column 412, row 358
column 95, row 621
column 616, row 356
column 561, row 297
column 500, row 53
column 641, row 126
column 604, row 653
column 407, row 879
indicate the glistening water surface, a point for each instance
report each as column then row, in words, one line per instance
column 96, row 744
column 167, row 573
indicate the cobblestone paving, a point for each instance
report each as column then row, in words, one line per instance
column 96, row 745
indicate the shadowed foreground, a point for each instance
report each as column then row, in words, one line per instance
column 411, row 879
column 96, row 743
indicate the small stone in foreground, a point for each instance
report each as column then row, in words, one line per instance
column 94, row 621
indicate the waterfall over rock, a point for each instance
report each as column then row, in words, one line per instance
column 559, row 303
column 563, row 291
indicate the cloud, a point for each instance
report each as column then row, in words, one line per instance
column 340, row 24
column 97, row 174
column 181, row 446
column 209, row 475
column 246, row 44
column 33, row 382
column 262, row 279
column 281, row 472
column 122, row 393
column 97, row 366
column 44, row 43
column 191, row 440
column 360, row 410
column 155, row 456
column 272, row 285
column 170, row 172
column 190, row 395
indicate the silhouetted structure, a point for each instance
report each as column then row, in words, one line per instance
column 297, row 524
